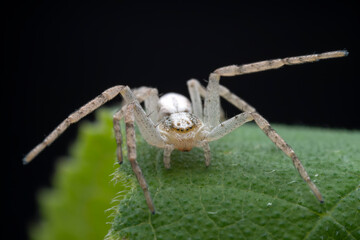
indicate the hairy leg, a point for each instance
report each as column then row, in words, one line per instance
column 228, row 126
column 149, row 95
column 235, row 100
column 151, row 99
column 145, row 124
column 94, row 104
column 234, row 70
column 117, row 131
column 280, row 143
column 167, row 153
column 131, row 146
column 226, row 94
column 231, row 124
column 207, row 153
column 212, row 102
column 214, row 89
column 194, row 91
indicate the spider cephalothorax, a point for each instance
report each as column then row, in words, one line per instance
column 183, row 130
column 173, row 122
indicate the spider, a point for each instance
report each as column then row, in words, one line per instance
column 173, row 122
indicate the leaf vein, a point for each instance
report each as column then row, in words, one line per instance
column 329, row 213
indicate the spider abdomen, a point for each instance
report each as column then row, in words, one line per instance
column 173, row 103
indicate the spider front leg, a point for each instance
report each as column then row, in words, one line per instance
column 212, row 102
column 196, row 91
column 145, row 124
column 135, row 112
column 233, row 123
column 280, row 143
column 235, row 70
column 228, row 126
column 150, row 96
column 195, row 96
column 213, row 90
column 89, row 107
column 117, row 132
column 131, row 146
column 212, row 105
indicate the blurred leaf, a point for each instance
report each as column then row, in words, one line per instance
column 82, row 189
column 250, row 191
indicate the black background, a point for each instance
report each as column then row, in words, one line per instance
column 58, row 55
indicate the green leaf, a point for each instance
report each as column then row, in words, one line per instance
column 74, row 209
column 250, row 191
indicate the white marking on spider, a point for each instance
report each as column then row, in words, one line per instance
column 173, row 122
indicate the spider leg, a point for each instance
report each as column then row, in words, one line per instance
column 214, row 89
column 212, row 109
column 194, row 88
column 212, row 106
column 228, row 126
column 235, row 122
column 149, row 95
column 234, row 70
column 131, row 146
column 145, row 124
column 235, row 100
column 132, row 111
column 167, row 152
column 223, row 129
column 231, row 124
column 226, row 94
column 207, row 153
column 212, row 102
column 117, row 131
column 97, row 102
column 280, row 143
column 151, row 99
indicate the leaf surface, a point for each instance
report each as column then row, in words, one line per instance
column 250, row 191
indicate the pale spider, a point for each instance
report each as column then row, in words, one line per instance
column 173, row 122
